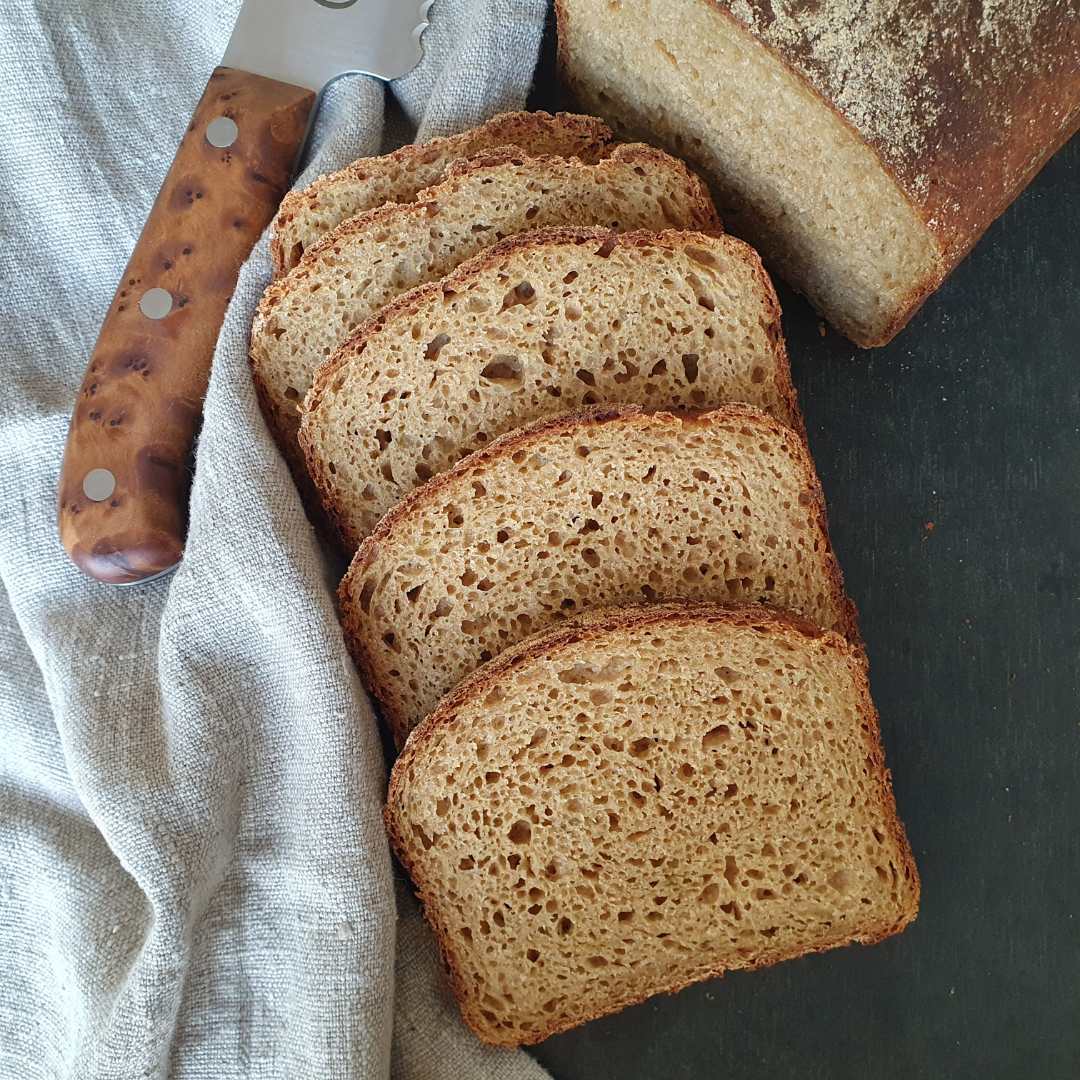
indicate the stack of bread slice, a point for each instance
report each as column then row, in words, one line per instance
column 545, row 404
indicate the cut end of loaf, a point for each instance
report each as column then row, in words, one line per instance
column 825, row 211
column 643, row 799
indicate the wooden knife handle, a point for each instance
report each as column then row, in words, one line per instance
column 127, row 466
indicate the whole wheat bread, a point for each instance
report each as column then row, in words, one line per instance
column 537, row 325
column 862, row 145
column 307, row 215
column 373, row 257
column 606, row 505
column 644, row 799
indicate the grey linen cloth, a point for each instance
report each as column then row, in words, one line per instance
column 194, row 879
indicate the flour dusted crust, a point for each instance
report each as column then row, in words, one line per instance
column 964, row 102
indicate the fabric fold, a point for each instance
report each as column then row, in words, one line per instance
column 194, row 876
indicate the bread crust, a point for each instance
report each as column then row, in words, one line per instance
column 596, row 625
column 959, row 174
column 410, row 302
column 512, row 128
column 581, row 420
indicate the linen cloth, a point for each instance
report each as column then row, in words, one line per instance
column 194, row 879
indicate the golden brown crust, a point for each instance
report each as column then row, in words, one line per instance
column 596, row 625
column 472, row 467
column 522, row 129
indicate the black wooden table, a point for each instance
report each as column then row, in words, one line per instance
column 951, row 462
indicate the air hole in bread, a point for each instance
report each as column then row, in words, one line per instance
column 520, row 833
column 840, row 880
column 607, row 247
column 522, row 294
column 436, row 345
column 669, row 210
column 366, row 594
column 702, row 257
column 503, row 371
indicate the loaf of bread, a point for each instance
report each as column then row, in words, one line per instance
column 862, row 145
column 306, row 216
column 373, row 257
column 643, row 799
column 532, row 327
column 606, row 505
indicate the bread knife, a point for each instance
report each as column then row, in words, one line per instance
column 126, row 473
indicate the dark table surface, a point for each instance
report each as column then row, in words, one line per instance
column 951, row 463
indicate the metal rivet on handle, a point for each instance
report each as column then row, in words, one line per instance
column 98, row 485
column 156, row 303
column 222, row 132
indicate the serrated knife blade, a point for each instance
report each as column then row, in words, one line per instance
column 126, row 471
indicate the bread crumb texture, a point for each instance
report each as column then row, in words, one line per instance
column 532, row 328
column 372, row 258
column 648, row 798
column 307, row 215
column 605, row 506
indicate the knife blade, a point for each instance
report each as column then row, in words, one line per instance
column 126, row 473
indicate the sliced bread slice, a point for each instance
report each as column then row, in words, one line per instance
column 647, row 798
column 372, row 258
column 306, row 216
column 535, row 326
column 607, row 505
